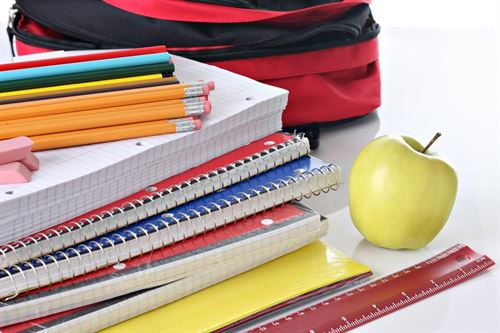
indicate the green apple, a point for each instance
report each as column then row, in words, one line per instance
column 400, row 194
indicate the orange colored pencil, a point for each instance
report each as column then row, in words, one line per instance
column 112, row 133
column 101, row 100
column 73, row 122
column 146, row 106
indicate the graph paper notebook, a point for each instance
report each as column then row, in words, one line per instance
column 222, row 252
column 309, row 270
column 73, row 181
column 231, row 168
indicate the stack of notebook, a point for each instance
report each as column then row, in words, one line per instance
column 182, row 234
column 108, row 232
column 73, row 181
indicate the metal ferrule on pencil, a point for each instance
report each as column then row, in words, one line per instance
column 185, row 126
column 193, row 91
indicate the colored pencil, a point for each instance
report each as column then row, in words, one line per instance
column 80, row 58
column 112, row 133
column 86, row 76
column 136, row 113
column 101, row 100
column 91, row 89
column 71, row 87
column 84, row 67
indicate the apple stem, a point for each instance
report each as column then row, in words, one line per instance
column 436, row 136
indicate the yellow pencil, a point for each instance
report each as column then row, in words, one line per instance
column 101, row 100
column 112, row 133
column 145, row 106
column 74, row 121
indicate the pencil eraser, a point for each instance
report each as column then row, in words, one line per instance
column 197, row 124
column 211, row 85
column 15, row 149
column 207, row 106
column 206, row 90
column 31, row 162
column 14, row 173
column 202, row 98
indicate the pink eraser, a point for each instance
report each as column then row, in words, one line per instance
column 202, row 98
column 197, row 124
column 15, row 149
column 211, row 85
column 207, row 106
column 14, row 173
column 31, row 162
column 206, row 90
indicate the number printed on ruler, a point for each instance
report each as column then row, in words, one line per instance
column 368, row 302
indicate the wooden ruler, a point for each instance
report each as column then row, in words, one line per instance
column 376, row 299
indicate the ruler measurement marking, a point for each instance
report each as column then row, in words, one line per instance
column 457, row 271
column 361, row 320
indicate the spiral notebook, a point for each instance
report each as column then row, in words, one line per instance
column 303, row 177
column 73, row 181
column 181, row 268
column 311, row 270
column 231, row 168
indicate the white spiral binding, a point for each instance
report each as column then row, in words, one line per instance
column 209, row 217
column 150, row 205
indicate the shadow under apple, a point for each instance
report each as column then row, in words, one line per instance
column 340, row 144
column 386, row 260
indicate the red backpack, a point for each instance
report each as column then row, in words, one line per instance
column 323, row 51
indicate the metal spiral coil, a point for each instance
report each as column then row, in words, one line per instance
column 121, row 216
column 105, row 252
column 187, row 224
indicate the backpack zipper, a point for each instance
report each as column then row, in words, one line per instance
column 40, row 42
column 270, row 48
column 250, row 52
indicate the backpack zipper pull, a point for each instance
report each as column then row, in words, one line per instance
column 12, row 16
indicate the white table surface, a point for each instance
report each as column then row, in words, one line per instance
column 440, row 72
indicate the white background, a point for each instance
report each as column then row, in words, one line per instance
column 440, row 72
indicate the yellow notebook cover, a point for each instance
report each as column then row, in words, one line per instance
column 309, row 268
